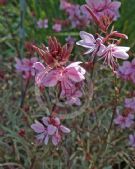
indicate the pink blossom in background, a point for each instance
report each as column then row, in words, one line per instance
column 49, row 128
column 57, row 27
column 130, row 103
column 74, row 98
column 132, row 140
column 124, row 121
column 88, row 41
column 64, row 4
column 42, row 23
column 127, row 71
column 77, row 16
column 70, row 40
column 25, row 66
column 104, row 7
column 111, row 53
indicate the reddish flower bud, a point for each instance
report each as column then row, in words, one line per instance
column 21, row 133
column 119, row 35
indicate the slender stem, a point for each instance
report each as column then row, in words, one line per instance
column 12, row 164
column 114, row 110
column 21, row 45
column 24, row 93
column 33, row 162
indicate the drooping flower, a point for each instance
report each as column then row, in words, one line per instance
column 57, row 27
column 49, row 128
column 104, row 7
column 111, row 53
column 132, row 140
column 88, row 41
column 72, row 75
column 25, row 66
column 124, row 121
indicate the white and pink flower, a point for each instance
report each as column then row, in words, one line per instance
column 49, row 128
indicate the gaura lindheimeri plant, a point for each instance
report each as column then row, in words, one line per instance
column 72, row 108
column 55, row 69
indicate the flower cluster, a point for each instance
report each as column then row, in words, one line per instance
column 97, row 46
column 124, row 121
column 127, row 71
column 49, row 128
column 103, row 8
column 25, row 66
column 55, row 72
column 127, row 119
column 76, row 15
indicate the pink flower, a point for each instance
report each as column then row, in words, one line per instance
column 49, row 128
column 42, row 23
column 25, row 66
column 127, row 71
column 77, row 16
column 57, row 27
column 104, row 7
column 64, row 4
column 68, row 77
column 50, row 77
column 70, row 40
column 132, row 140
column 74, row 98
column 111, row 53
column 124, row 121
column 88, row 41
column 130, row 103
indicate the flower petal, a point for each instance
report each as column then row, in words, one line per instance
column 51, row 129
column 64, row 129
column 38, row 127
